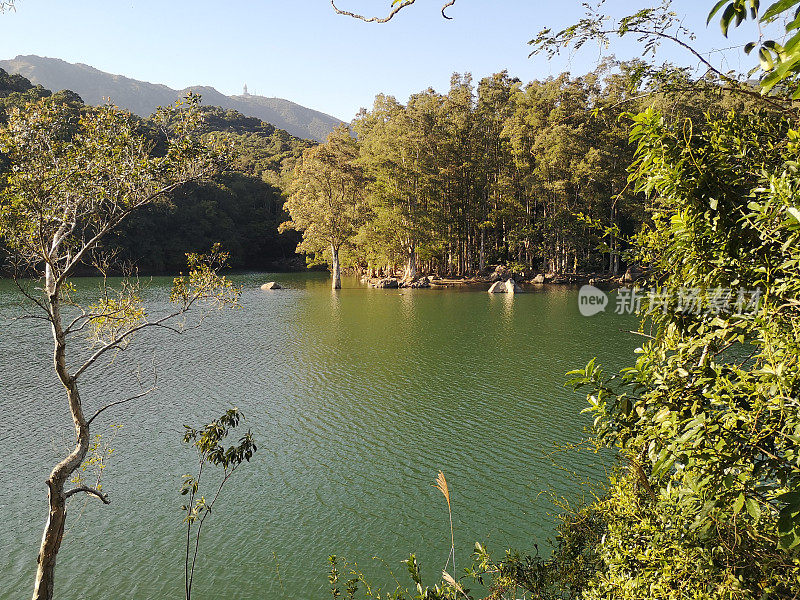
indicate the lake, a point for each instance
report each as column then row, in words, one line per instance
column 356, row 398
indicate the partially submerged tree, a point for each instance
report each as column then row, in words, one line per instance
column 72, row 177
column 326, row 200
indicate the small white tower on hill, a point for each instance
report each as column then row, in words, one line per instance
column 245, row 93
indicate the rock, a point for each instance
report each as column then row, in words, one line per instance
column 420, row 283
column 501, row 273
column 271, row 285
column 632, row 274
column 511, row 286
column 388, row 283
column 539, row 279
column 498, row 287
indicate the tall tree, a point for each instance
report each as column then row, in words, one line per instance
column 326, row 198
column 73, row 178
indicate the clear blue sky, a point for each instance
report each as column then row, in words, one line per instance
column 302, row 51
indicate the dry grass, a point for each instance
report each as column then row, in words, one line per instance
column 441, row 485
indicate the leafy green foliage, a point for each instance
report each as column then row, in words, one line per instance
column 708, row 415
column 778, row 61
column 209, row 444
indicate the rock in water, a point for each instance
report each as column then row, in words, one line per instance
column 498, row 287
column 512, row 287
column 539, row 279
column 271, row 285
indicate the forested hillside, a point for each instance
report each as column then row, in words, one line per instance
column 241, row 209
column 533, row 176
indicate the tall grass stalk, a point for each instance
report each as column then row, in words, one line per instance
column 441, row 485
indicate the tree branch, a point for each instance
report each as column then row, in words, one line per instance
column 391, row 15
column 373, row 19
column 118, row 402
column 90, row 491
column 445, row 7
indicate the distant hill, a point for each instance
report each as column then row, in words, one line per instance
column 142, row 98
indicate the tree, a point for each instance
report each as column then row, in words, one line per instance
column 707, row 416
column 73, row 178
column 326, row 198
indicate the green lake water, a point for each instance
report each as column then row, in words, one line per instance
column 356, row 398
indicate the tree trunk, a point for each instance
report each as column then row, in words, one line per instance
column 482, row 255
column 54, row 529
column 411, row 264
column 335, row 269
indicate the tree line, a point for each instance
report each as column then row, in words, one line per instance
column 533, row 176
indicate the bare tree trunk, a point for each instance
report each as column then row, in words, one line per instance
column 336, row 270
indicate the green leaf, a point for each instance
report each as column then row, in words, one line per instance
column 727, row 17
column 738, row 504
column 789, row 540
column 777, row 8
column 753, row 508
column 715, row 10
column 765, row 58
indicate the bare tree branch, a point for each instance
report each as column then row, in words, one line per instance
column 117, row 403
column 90, row 491
column 445, row 7
column 391, row 15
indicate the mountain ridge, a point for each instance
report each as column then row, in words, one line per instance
column 142, row 97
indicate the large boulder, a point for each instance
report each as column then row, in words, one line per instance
column 498, row 287
column 539, row 279
column 511, row 286
column 271, row 285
